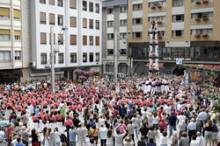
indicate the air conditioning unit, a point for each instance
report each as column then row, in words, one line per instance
column 32, row 64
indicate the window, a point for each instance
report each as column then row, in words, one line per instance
column 97, row 8
column 110, row 23
column 73, row 4
column 54, row 38
column 90, row 7
column 17, row 55
column 123, row 22
column 110, row 10
column 4, row 34
column 137, row 7
column 5, row 56
column 52, row 2
column 84, row 40
column 110, row 51
column 73, row 58
column 91, row 40
column 60, row 3
column 60, row 58
column 84, row 23
column 159, row 18
column 123, row 9
column 43, row 58
column 178, row 3
column 90, row 23
column 178, row 18
column 43, row 38
column 43, row 1
column 97, row 57
column 97, row 41
column 161, row 33
column 137, row 21
column 178, row 33
column 4, row 13
column 16, row 14
column 42, row 18
column 60, row 20
column 17, row 35
column 52, row 19
column 123, row 35
column 72, row 39
column 84, row 57
column 137, row 35
column 60, row 39
column 91, row 57
column 123, row 51
column 84, row 7
column 97, row 24
column 72, row 21
column 110, row 36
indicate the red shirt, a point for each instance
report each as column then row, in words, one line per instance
column 68, row 122
column 34, row 118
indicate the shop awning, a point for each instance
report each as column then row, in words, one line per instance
column 159, row 65
column 208, row 65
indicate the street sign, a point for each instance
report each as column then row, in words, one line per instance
column 179, row 61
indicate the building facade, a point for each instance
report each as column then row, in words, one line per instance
column 77, row 34
column 188, row 29
column 14, row 44
column 114, row 18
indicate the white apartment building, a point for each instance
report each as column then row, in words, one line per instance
column 115, row 15
column 14, row 58
column 77, row 35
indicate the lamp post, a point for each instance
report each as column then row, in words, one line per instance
column 116, row 56
column 52, row 60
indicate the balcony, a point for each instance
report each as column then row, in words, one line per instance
column 156, row 8
column 159, row 24
column 202, row 20
column 201, row 37
column 202, row 3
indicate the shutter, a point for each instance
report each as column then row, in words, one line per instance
column 91, row 39
column 73, row 4
column 72, row 39
column 42, row 16
column 52, row 18
column 4, row 31
column 72, row 21
column 16, row 13
column 97, row 41
column 84, row 23
column 17, row 32
column 52, row 2
column 43, row 38
column 4, row 11
column 84, row 40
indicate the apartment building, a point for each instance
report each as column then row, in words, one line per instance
column 114, row 18
column 188, row 29
column 14, row 44
column 77, row 34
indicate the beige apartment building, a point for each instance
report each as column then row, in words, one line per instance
column 187, row 29
column 14, row 40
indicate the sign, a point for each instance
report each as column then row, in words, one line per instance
column 179, row 61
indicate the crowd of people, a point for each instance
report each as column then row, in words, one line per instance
column 151, row 110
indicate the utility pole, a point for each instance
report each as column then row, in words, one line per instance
column 52, row 60
column 116, row 56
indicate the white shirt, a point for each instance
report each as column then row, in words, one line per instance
column 135, row 121
column 155, row 120
column 57, row 136
column 163, row 140
column 200, row 139
column 181, row 118
column 102, row 122
column 194, row 143
column 118, row 139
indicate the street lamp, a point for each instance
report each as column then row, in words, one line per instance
column 116, row 35
column 53, row 51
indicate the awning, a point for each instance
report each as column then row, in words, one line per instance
column 159, row 65
column 208, row 65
